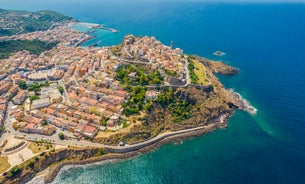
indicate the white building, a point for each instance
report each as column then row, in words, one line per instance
column 40, row 103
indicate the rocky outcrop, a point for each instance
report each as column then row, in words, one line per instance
column 218, row 67
column 44, row 160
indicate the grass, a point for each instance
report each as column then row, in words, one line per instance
column 200, row 73
column 4, row 164
column 39, row 147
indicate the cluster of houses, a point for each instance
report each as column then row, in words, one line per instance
column 148, row 49
column 7, row 91
column 92, row 99
column 62, row 33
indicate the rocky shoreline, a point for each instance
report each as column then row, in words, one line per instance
column 243, row 104
column 52, row 174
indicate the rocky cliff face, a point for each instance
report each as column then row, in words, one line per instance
column 191, row 108
column 44, row 160
column 206, row 107
column 218, row 67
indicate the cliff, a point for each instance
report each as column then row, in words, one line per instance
column 26, row 171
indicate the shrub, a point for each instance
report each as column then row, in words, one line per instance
column 61, row 136
column 30, row 164
column 14, row 171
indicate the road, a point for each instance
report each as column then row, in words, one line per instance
column 66, row 96
column 82, row 143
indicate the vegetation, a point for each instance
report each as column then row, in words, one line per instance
column 134, row 79
column 61, row 136
column 37, row 147
column 36, row 47
column 200, row 73
column 191, row 68
column 18, row 22
column 179, row 108
column 104, row 122
column 14, row 171
column 135, row 101
column 32, row 98
column 2, row 129
column 141, row 76
column 60, row 89
column 22, row 85
column 170, row 73
column 37, row 86
column 31, row 164
column 4, row 164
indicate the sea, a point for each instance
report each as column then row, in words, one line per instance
column 266, row 41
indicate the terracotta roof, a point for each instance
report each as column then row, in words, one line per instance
column 90, row 129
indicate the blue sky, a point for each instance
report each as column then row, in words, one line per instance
column 46, row 4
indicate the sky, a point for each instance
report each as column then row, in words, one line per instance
column 228, row 1
column 35, row 5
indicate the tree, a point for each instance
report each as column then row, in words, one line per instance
column 31, row 164
column 33, row 98
column 22, row 85
column 60, row 89
column 61, row 136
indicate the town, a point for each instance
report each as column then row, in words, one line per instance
column 74, row 91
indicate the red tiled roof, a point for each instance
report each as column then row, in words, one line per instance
column 90, row 129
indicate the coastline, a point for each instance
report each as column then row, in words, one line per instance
column 49, row 176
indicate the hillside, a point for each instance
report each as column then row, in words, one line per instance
column 18, row 21
column 36, row 47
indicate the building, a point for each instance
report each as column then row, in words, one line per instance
column 52, row 93
column 83, row 70
column 20, row 97
column 40, row 103
column 151, row 94
column 89, row 131
column 57, row 75
column 36, row 129
column 4, row 88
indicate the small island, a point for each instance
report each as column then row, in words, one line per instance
column 219, row 53
column 61, row 104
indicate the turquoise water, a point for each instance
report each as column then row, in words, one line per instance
column 266, row 41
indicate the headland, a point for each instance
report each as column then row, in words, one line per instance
column 64, row 104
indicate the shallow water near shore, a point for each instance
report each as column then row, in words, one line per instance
column 265, row 41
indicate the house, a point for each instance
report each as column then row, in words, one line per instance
column 83, row 70
column 59, row 122
column 71, row 126
column 108, row 114
column 121, row 93
column 88, row 101
column 151, row 94
column 33, row 120
column 31, row 128
column 89, row 131
column 49, row 111
column 113, row 120
column 83, row 122
column 132, row 75
column 79, row 128
column 4, row 88
column 20, row 97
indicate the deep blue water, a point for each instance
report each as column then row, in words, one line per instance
column 265, row 41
